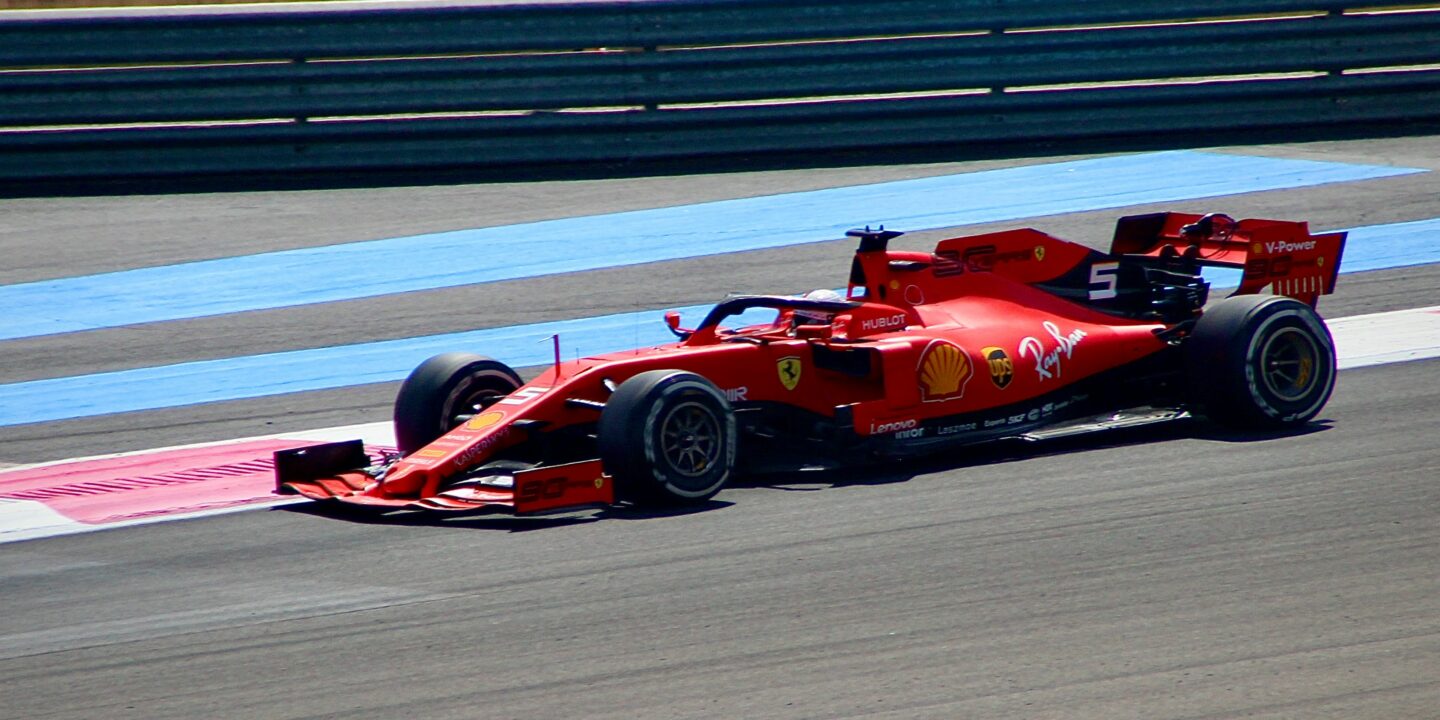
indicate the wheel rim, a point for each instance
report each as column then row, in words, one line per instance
column 1289, row 361
column 690, row 439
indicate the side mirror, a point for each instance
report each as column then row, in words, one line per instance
column 672, row 321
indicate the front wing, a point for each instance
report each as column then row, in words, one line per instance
column 342, row 472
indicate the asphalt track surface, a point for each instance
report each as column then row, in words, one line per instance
column 1179, row 573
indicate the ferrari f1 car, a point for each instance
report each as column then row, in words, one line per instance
column 1013, row 334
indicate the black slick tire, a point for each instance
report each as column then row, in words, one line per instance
column 1260, row 362
column 668, row 438
column 443, row 392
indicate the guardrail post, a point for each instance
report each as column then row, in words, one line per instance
column 1334, row 14
column 650, row 78
column 299, row 87
column 1000, row 89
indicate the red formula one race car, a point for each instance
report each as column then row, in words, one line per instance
column 1012, row 334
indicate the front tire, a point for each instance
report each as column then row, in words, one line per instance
column 1260, row 362
column 447, row 390
column 668, row 438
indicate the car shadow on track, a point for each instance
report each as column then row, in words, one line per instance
column 1216, row 433
column 1007, row 451
column 489, row 521
column 814, row 481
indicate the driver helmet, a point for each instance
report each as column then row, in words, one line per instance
column 815, row 317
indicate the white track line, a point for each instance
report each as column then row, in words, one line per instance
column 1388, row 337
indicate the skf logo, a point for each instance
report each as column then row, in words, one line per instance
column 943, row 372
column 789, row 369
column 481, row 422
column 1002, row 368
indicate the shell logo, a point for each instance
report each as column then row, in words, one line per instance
column 480, row 422
column 943, row 371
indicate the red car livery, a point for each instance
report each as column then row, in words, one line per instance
column 1014, row 334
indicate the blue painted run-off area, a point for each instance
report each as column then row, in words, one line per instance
column 1369, row 248
column 423, row 262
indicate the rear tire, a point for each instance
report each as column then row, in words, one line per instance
column 1260, row 362
column 447, row 390
column 668, row 438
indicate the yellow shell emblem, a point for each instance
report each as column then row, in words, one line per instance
column 943, row 372
column 789, row 369
column 480, row 422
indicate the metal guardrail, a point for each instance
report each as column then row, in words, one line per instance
column 513, row 86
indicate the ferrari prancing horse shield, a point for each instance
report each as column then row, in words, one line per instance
column 789, row 369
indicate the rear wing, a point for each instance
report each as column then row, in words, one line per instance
column 1278, row 255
